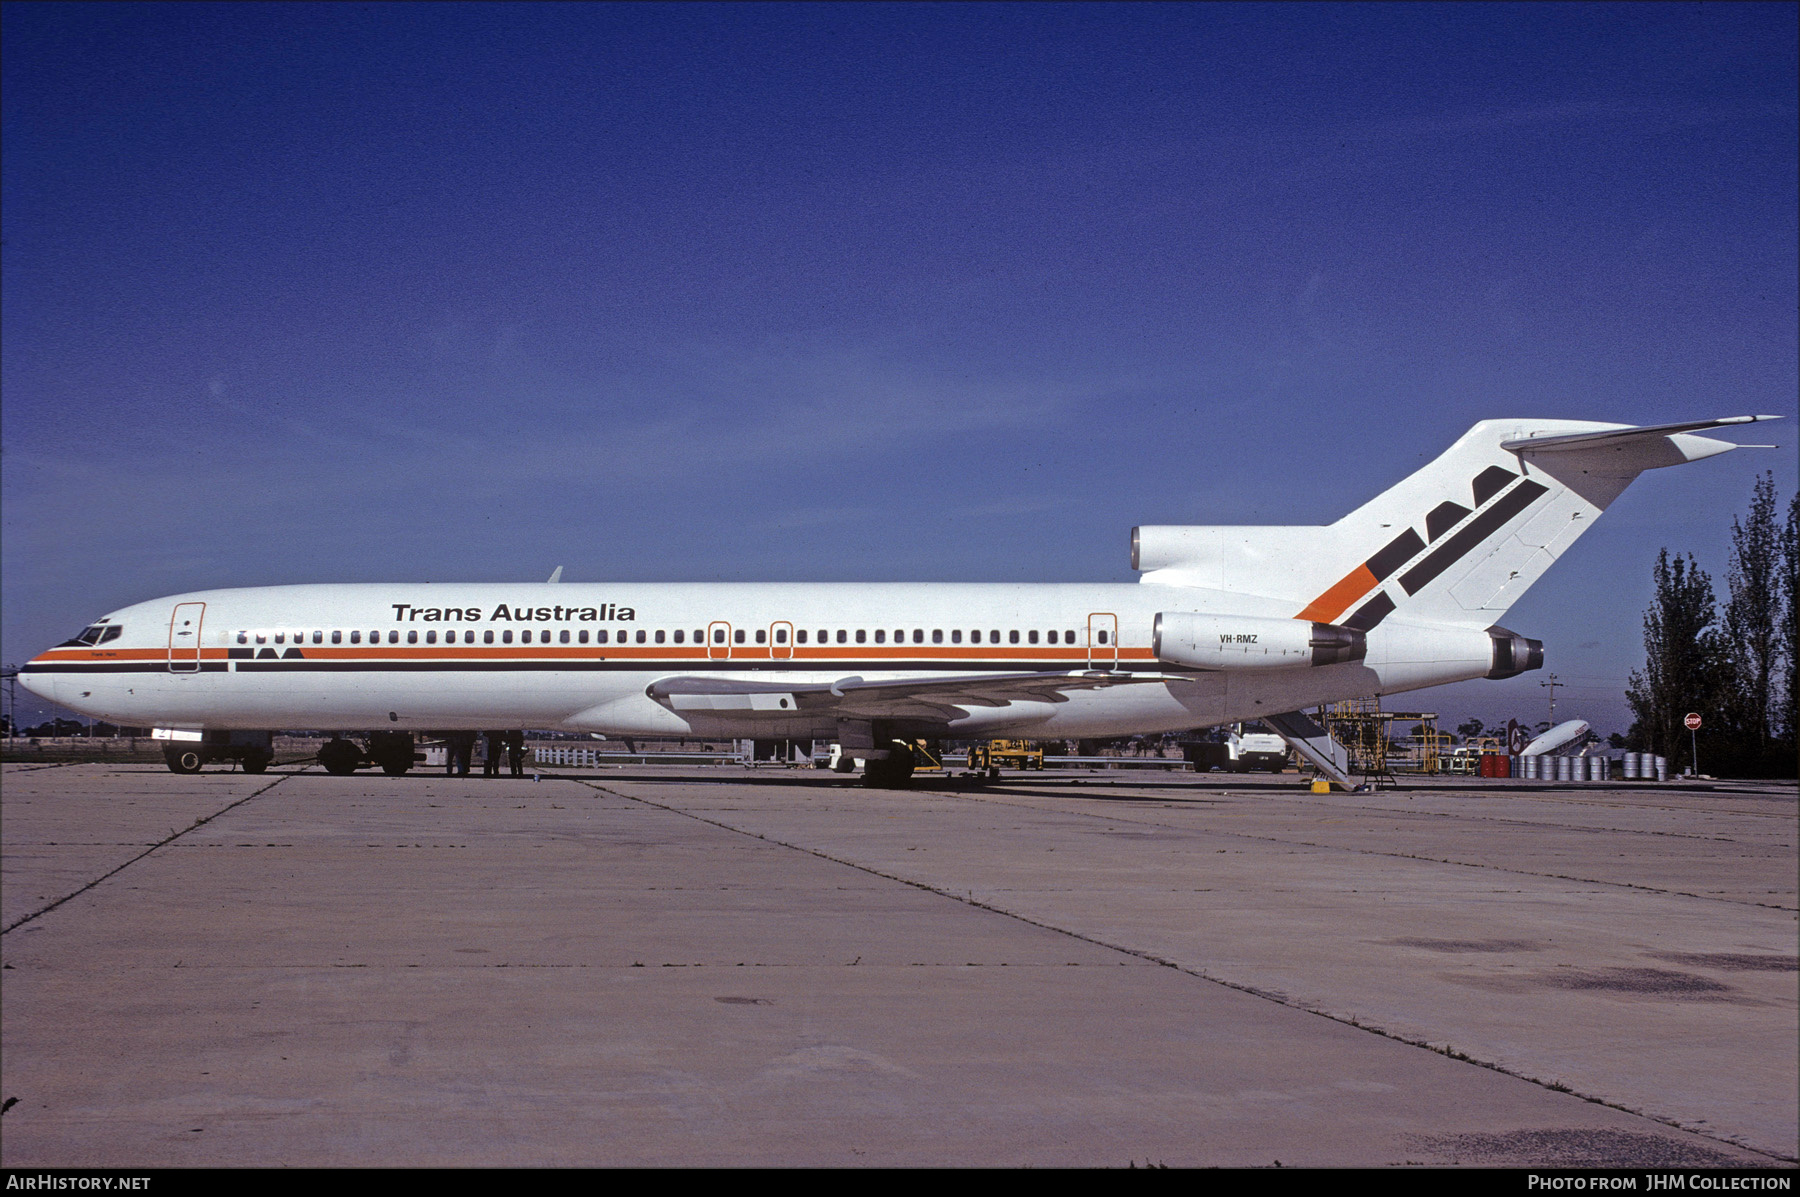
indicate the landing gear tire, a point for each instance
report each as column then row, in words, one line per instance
column 393, row 751
column 256, row 761
column 340, row 757
column 892, row 772
column 183, row 760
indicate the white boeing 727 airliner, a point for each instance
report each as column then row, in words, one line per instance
column 1226, row 624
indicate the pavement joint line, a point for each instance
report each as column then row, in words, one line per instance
column 1265, row 839
column 168, row 839
column 1723, row 814
column 968, row 899
column 1444, row 814
column 1395, row 812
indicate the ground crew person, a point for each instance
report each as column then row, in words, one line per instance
column 462, row 747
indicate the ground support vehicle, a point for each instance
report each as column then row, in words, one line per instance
column 190, row 751
column 1240, row 752
column 994, row 755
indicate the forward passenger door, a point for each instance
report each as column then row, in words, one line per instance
column 184, row 637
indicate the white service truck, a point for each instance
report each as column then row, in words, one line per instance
column 1240, row 752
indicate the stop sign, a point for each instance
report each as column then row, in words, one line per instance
column 1692, row 721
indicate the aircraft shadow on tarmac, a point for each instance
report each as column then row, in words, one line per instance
column 921, row 783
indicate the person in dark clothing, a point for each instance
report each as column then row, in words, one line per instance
column 496, row 748
column 462, row 748
column 515, row 752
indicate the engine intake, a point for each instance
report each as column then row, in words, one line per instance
column 1195, row 641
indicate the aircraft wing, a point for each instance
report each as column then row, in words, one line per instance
column 902, row 698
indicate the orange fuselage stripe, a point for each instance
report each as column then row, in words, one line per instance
column 648, row 652
column 1334, row 602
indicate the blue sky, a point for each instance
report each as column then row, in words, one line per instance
column 691, row 292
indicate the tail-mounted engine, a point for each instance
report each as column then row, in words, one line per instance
column 1514, row 654
column 1193, row 641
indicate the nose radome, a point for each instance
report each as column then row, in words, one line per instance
column 44, row 685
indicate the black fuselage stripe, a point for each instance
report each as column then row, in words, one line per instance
column 1491, row 482
column 1444, row 517
column 1480, row 528
column 119, row 667
column 1394, row 554
column 1371, row 612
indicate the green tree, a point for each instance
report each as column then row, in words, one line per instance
column 1752, row 625
column 1686, row 662
column 1788, row 722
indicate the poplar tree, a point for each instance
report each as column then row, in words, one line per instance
column 1753, row 623
column 1789, row 715
column 1685, row 659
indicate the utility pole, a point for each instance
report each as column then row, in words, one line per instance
column 1553, row 684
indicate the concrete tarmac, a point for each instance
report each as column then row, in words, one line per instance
column 693, row 966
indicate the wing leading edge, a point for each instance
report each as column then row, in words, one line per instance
column 933, row 698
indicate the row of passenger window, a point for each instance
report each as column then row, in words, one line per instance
column 430, row 636
column 659, row 636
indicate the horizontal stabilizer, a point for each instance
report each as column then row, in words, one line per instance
column 1615, row 437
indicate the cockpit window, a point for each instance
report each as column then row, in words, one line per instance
column 94, row 634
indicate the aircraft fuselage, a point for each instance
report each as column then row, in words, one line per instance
column 440, row 656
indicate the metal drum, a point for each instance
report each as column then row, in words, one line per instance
column 1662, row 768
column 1633, row 764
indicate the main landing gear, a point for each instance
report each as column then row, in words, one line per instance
column 392, row 751
column 891, row 772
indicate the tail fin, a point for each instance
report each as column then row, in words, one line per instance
column 1456, row 543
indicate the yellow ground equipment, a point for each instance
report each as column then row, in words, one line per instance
column 1006, row 754
column 1366, row 732
column 928, row 756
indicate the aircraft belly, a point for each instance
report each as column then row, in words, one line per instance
column 1250, row 695
column 339, row 702
column 1131, row 710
